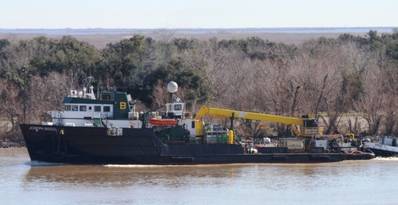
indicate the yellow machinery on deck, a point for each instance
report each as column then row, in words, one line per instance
column 310, row 127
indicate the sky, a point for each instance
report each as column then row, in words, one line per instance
column 197, row 14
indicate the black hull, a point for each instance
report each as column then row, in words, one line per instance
column 93, row 145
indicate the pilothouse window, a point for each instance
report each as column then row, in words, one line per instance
column 83, row 108
column 75, row 108
column 97, row 108
column 107, row 108
column 67, row 107
column 177, row 107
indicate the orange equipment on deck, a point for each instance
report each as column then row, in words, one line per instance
column 163, row 122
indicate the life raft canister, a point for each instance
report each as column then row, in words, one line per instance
column 163, row 122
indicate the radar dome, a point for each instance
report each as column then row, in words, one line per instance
column 172, row 87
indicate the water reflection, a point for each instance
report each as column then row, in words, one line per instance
column 113, row 175
column 231, row 184
column 271, row 176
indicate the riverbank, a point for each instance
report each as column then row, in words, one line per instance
column 13, row 151
column 5, row 143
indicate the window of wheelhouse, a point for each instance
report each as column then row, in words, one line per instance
column 83, row 108
column 75, row 108
column 107, row 108
column 97, row 108
column 67, row 108
column 177, row 107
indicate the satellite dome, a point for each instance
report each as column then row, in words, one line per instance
column 172, row 87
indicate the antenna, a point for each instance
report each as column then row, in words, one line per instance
column 89, row 81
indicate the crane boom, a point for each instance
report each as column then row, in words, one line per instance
column 228, row 113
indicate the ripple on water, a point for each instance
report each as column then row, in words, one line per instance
column 386, row 159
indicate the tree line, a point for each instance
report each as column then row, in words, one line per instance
column 325, row 77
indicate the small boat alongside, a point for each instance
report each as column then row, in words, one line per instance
column 385, row 147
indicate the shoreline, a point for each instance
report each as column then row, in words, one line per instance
column 10, row 144
column 13, row 152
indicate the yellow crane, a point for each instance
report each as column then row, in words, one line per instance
column 228, row 113
column 310, row 125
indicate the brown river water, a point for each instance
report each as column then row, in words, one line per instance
column 349, row 182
